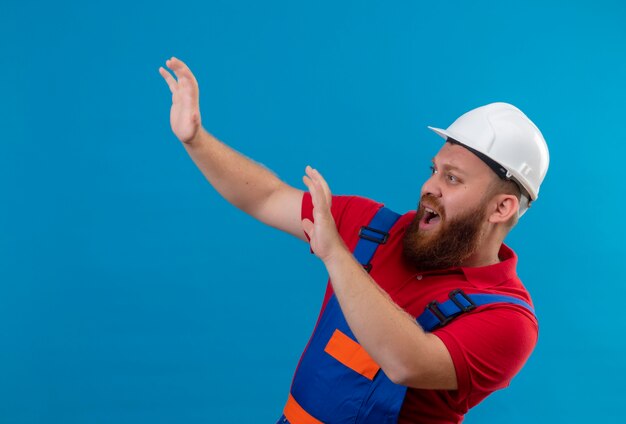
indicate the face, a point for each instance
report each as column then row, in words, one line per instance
column 452, row 214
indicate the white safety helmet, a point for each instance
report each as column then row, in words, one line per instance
column 506, row 140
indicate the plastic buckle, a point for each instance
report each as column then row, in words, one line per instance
column 434, row 308
column 456, row 301
column 384, row 235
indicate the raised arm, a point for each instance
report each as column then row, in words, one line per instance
column 245, row 183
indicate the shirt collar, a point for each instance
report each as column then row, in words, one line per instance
column 495, row 274
column 486, row 276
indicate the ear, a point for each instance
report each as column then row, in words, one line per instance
column 505, row 207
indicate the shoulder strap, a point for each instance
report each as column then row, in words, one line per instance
column 373, row 235
column 438, row 314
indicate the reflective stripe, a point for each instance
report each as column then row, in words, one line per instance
column 296, row 415
column 351, row 354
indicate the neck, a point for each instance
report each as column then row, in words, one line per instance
column 479, row 259
column 486, row 254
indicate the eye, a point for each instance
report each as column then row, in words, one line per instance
column 433, row 171
column 452, row 178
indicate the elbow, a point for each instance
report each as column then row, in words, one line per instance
column 422, row 366
column 400, row 374
column 421, row 378
column 402, row 367
column 398, row 379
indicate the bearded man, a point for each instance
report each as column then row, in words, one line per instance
column 424, row 315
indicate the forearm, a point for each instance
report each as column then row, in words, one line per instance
column 241, row 181
column 379, row 325
column 246, row 184
column 391, row 336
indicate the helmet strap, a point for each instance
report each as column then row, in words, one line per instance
column 501, row 172
column 495, row 166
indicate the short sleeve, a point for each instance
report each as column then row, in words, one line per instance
column 488, row 347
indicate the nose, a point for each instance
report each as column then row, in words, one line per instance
column 431, row 186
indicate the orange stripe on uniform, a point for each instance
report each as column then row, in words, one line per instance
column 296, row 415
column 351, row 354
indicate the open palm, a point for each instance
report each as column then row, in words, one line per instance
column 185, row 111
column 322, row 232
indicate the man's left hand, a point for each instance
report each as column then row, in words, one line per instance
column 324, row 238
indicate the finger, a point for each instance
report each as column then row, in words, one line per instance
column 310, row 172
column 315, row 175
column 325, row 189
column 308, row 182
column 320, row 201
column 323, row 200
column 181, row 70
column 307, row 227
column 169, row 79
column 195, row 118
column 316, row 194
column 307, row 172
column 312, row 185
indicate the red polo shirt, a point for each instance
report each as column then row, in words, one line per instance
column 488, row 345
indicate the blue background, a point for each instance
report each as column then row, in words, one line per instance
column 131, row 292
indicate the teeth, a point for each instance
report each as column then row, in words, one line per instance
column 429, row 210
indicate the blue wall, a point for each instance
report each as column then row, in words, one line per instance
column 131, row 292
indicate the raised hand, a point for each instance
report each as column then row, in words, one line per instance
column 324, row 238
column 185, row 111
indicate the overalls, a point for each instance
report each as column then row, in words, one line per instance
column 336, row 381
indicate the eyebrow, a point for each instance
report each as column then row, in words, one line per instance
column 449, row 167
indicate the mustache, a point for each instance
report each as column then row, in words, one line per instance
column 432, row 202
column 455, row 241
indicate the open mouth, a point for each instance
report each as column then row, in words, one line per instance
column 430, row 218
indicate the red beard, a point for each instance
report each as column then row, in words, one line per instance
column 448, row 246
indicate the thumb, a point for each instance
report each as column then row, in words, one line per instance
column 307, row 226
column 195, row 118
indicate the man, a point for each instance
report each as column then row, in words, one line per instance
column 369, row 360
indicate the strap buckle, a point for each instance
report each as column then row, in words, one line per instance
column 434, row 308
column 375, row 235
column 464, row 308
column 465, row 304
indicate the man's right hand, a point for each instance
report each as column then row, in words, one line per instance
column 243, row 182
column 185, row 111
